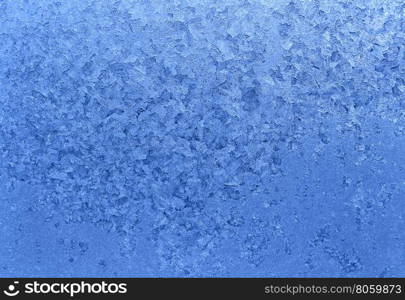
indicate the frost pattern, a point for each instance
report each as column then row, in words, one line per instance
column 209, row 138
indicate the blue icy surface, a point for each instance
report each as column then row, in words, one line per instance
column 202, row 138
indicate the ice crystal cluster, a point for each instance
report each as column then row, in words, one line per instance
column 202, row 138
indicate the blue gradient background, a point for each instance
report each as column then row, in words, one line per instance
column 202, row 138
